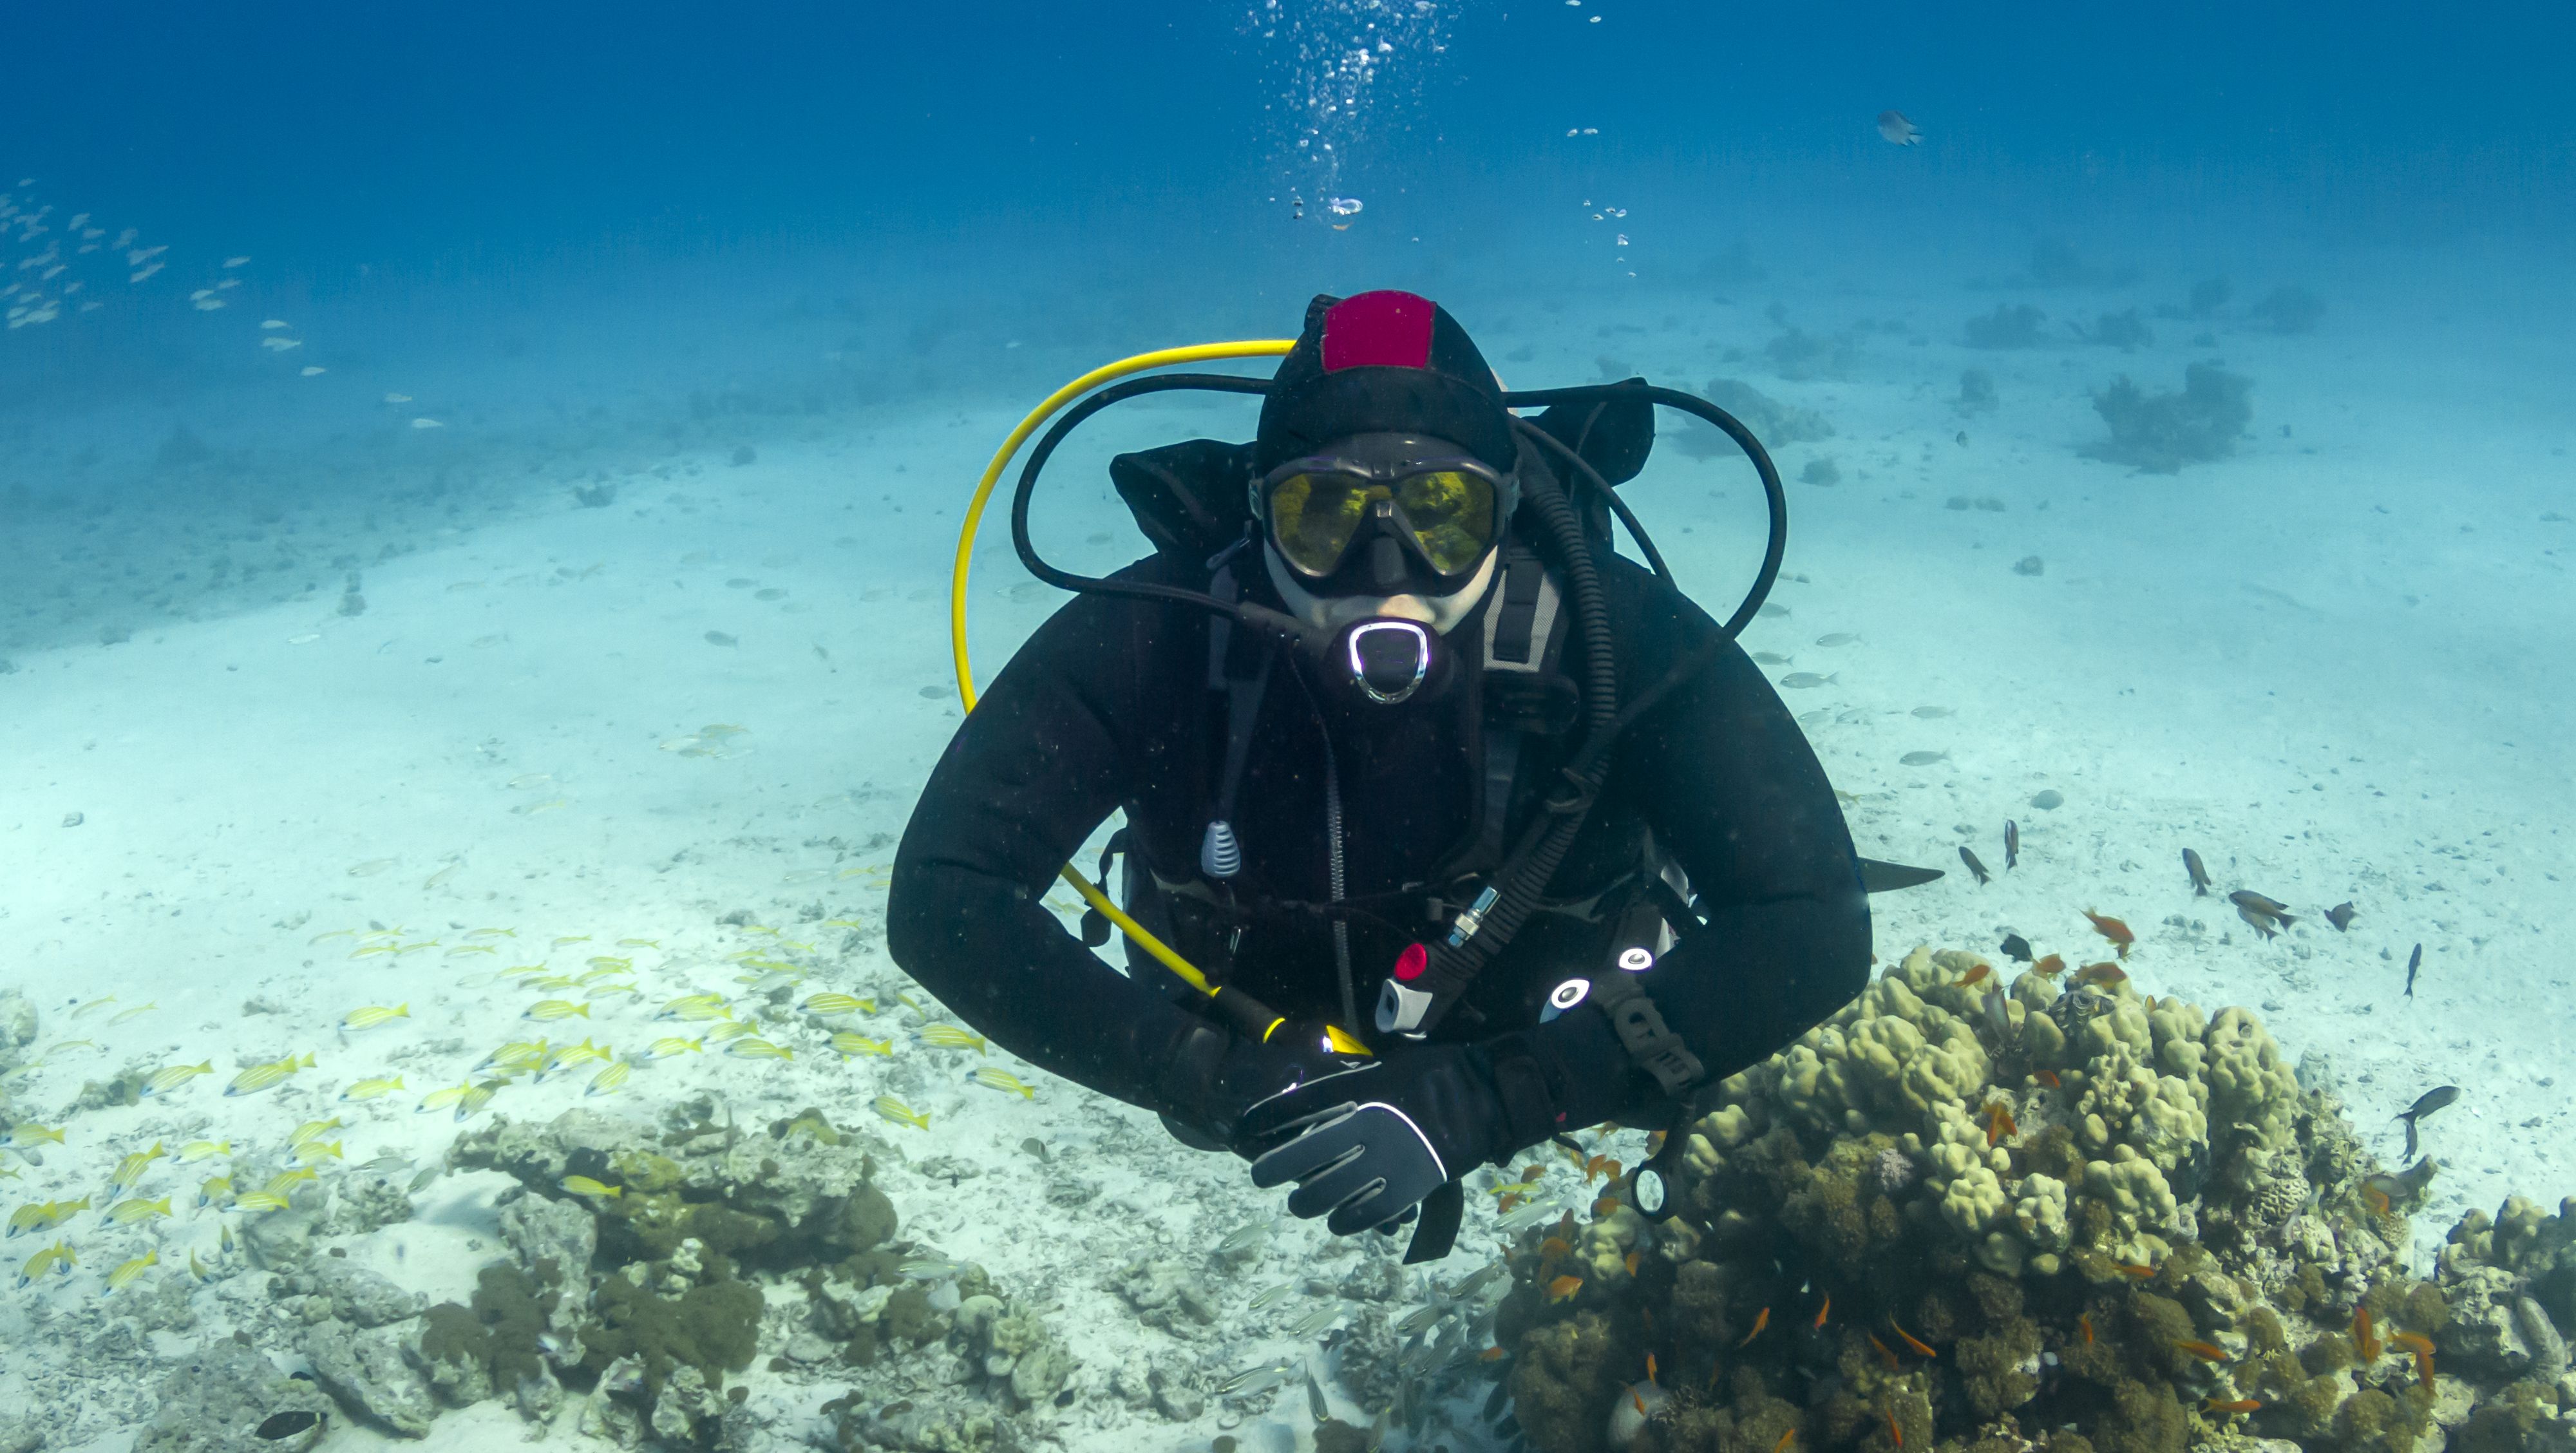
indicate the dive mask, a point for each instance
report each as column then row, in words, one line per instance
column 1347, row 525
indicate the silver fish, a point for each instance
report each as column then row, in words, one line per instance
column 1772, row 658
column 1838, row 638
column 1806, row 680
column 1255, row 1379
column 1923, row 759
column 1314, row 1321
column 1898, row 131
column 1932, row 713
column 1271, row 1296
column 932, row 1268
column 1244, row 1238
column 1315, row 1398
column 1421, row 1320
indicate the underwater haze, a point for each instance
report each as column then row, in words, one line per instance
column 479, row 488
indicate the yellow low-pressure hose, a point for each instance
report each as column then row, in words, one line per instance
column 1055, row 403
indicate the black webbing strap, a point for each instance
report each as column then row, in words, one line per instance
column 1643, row 1034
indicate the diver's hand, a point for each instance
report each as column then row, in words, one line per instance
column 1217, row 1076
column 1367, row 1144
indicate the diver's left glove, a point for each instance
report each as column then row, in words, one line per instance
column 1369, row 1144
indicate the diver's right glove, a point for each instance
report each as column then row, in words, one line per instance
column 1213, row 1077
column 1368, row 1144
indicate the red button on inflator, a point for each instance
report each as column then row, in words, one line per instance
column 1410, row 963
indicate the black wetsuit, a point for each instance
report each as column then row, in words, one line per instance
column 1109, row 707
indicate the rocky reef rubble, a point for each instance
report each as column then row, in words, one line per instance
column 1977, row 1215
column 650, row 1278
column 651, row 1269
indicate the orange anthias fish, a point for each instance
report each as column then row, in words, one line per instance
column 1606, row 1207
column 1553, row 1248
column 1999, row 1123
column 1910, row 1339
column 1631, row 1263
column 2422, row 1347
column 1824, row 1311
column 2084, row 1324
column 2205, row 1351
column 2135, row 1270
column 2237, row 1405
column 1895, row 1434
column 2050, row 966
column 1786, row 1439
column 1761, row 1319
column 2047, row 1077
column 2105, row 972
column 1563, row 1287
column 2114, row 930
column 2364, row 1340
column 1975, row 973
column 1882, row 1350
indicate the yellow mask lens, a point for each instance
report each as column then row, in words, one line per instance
column 1452, row 515
column 1314, row 516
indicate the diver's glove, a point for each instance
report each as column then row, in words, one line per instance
column 1368, row 1144
column 1214, row 1076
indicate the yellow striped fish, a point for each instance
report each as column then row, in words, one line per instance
column 758, row 1049
column 371, row 1088
column 671, row 1045
column 196, row 1150
column 58, row 1257
column 548, row 1010
column 610, row 1078
column 856, row 1044
column 126, row 1213
column 374, row 1015
column 124, row 1275
column 901, row 1113
column 827, row 1006
column 996, row 1078
column 950, row 1036
column 171, row 1077
column 260, row 1077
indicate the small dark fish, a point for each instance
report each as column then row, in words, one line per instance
column 1896, row 129
column 2199, row 874
column 2267, row 917
column 285, row 1425
column 2017, row 948
column 2425, row 1104
column 2414, row 961
column 1974, row 866
column 2012, row 844
column 2341, row 916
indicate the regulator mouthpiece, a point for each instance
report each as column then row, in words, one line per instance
column 1388, row 659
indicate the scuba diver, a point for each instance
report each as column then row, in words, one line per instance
column 1470, row 832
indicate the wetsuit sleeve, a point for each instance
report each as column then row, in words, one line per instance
column 1736, row 797
column 1039, row 764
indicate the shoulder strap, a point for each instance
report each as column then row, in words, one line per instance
column 1524, row 634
